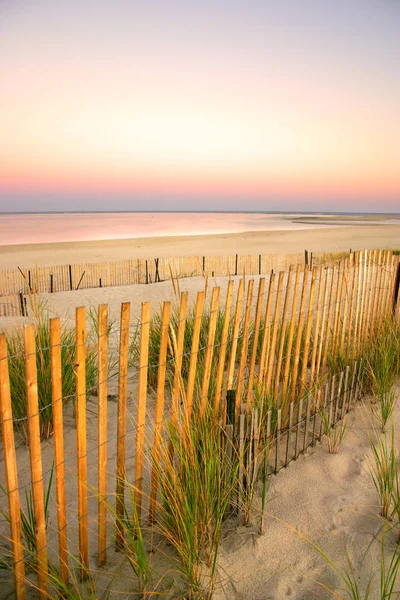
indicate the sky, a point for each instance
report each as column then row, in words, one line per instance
column 211, row 105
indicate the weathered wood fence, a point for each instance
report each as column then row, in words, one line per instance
column 274, row 350
column 16, row 284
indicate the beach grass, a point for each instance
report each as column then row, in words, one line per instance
column 16, row 352
column 384, row 471
column 196, row 487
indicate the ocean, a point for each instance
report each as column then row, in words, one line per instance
column 38, row 228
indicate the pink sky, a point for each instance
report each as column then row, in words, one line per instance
column 180, row 103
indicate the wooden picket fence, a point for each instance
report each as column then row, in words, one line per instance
column 272, row 345
column 15, row 284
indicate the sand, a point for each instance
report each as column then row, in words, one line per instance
column 328, row 498
column 324, row 238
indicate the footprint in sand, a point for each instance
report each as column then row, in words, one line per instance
column 333, row 529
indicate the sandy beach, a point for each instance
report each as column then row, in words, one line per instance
column 328, row 498
column 200, row 300
column 322, row 239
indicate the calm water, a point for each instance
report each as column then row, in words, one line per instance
column 40, row 228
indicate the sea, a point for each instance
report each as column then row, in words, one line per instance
column 37, row 228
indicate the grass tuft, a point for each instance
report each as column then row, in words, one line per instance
column 16, row 353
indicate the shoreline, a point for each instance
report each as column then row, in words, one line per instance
column 323, row 239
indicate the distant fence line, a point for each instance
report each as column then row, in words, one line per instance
column 279, row 357
column 15, row 284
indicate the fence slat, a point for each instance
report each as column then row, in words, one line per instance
column 210, row 348
column 102, row 431
column 80, row 370
column 35, row 455
column 141, row 405
column 257, row 321
column 57, row 405
column 266, row 334
column 194, row 353
column 10, row 465
column 223, row 348
column 275, row 326
column 299, row 336
column 162, row 367
column 121, row 420
column 290, row 335
column 299, row 420
column 328, row 332
column 289, row 434
column 283, row 333
column 316, row 326
column 235, row 335
column 345, row 291
column 338, row 304
column 178, row 345
column 310, row 316
column 345, row 392
column 245, row 344
column 277, row 441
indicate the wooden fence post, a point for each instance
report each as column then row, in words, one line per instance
column 275, row 326
column 328, row 332
column 223, row 347
column 317, row 324
column 290, row 335
column 299, row 336
column 121, row 420
column 102, row 430
column 256, row 331
column 21, row 304
column 235, row 334
column 283, row 332
column 214, row 309
column 265, row 340
column 177, row 346
column 244, row 349
column 80, row 371
column 162, row 367
column 141, row 405
column 194, row 353
column 35, row 456
column 10, row 465
column 57, row 405
column 80, row 281
column 396, row 289
column 310, row 314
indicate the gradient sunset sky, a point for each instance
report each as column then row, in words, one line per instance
column 221, row 105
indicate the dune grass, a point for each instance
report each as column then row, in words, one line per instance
column 382, row 369
column 334, row 432
column 155, row 341
column 384, row 471
column 16, row 352
column 196, row 487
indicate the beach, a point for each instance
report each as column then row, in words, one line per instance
column 319, row 238
column 330, row 499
